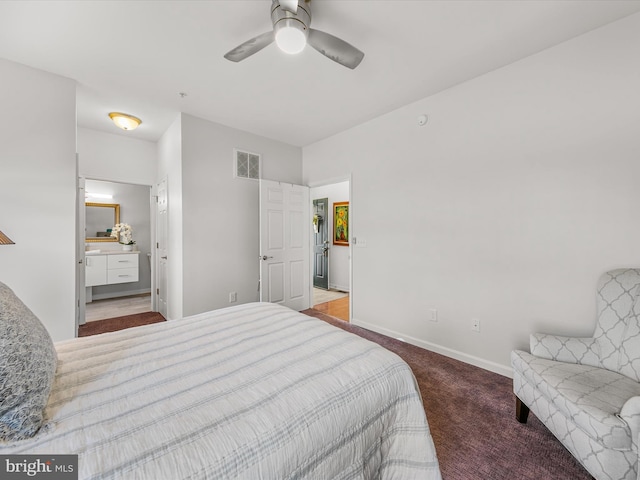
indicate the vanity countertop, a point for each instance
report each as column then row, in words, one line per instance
column 109, row 252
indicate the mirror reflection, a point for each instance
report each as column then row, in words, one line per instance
column 99, row 220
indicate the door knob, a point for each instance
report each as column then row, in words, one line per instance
column 264, row 257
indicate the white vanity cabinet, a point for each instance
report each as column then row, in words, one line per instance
column 95, row 270
column 111, row 268
column 122, row 268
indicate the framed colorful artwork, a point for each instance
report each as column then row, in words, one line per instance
column 341, row 223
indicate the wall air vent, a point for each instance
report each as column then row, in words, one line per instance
column 246, row 164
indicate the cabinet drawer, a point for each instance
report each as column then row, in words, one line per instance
column 123, row 261
column 122, row 275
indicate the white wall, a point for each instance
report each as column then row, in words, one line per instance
column 170, row 168
column 107, row 156
column 220, row 212
column 519, row 192
column 338, row 254
column 38, row 193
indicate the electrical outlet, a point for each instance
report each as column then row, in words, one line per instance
column 475, row 324
column 233, row 297
column 434, row 315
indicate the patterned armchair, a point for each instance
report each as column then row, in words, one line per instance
column 587, row 390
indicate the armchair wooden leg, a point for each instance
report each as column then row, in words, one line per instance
column 522, row 411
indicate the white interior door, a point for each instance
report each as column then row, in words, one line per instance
column 161, row 249
column 81, row 297
column 284, row 244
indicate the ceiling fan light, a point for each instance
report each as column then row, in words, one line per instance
column 124, row 121
column 291, row 39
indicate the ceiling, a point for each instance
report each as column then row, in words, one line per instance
column 137, row 56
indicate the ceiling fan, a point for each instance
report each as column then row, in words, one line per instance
column 291, row 32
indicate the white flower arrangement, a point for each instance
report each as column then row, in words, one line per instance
column 123, row 233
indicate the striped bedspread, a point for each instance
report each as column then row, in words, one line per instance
column 256, row 391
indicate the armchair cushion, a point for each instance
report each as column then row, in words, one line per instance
column 584, row 351
column 592, row 397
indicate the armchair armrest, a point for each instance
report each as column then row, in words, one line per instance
column 584, row 351
column 630, row 413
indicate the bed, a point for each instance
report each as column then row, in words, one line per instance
column 253, row 391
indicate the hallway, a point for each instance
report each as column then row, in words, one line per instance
column 331, row 302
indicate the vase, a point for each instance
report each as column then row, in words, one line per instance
column 127, row 248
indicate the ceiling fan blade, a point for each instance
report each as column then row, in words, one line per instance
column 250, row 47
column 337, row 50
column 289, row 5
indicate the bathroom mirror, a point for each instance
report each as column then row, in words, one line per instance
column 99, row 220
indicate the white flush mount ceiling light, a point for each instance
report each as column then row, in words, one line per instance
column 125, row 121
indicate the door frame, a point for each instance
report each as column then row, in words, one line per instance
column 155, row 254
column 352, row 210
column 81, row 296
column 80, row 246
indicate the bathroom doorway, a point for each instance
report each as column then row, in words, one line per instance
column 125, row 288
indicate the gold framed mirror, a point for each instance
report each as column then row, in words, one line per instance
column 99, row 220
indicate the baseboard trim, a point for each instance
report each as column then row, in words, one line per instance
column 340, row 288
column 103, row 296
column 447, row 352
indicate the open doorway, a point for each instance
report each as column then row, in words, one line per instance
column 118, row 277
column 331, row 250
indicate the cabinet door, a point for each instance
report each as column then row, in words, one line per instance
column 95, row 270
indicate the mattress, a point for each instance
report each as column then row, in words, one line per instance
column 253, row 391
